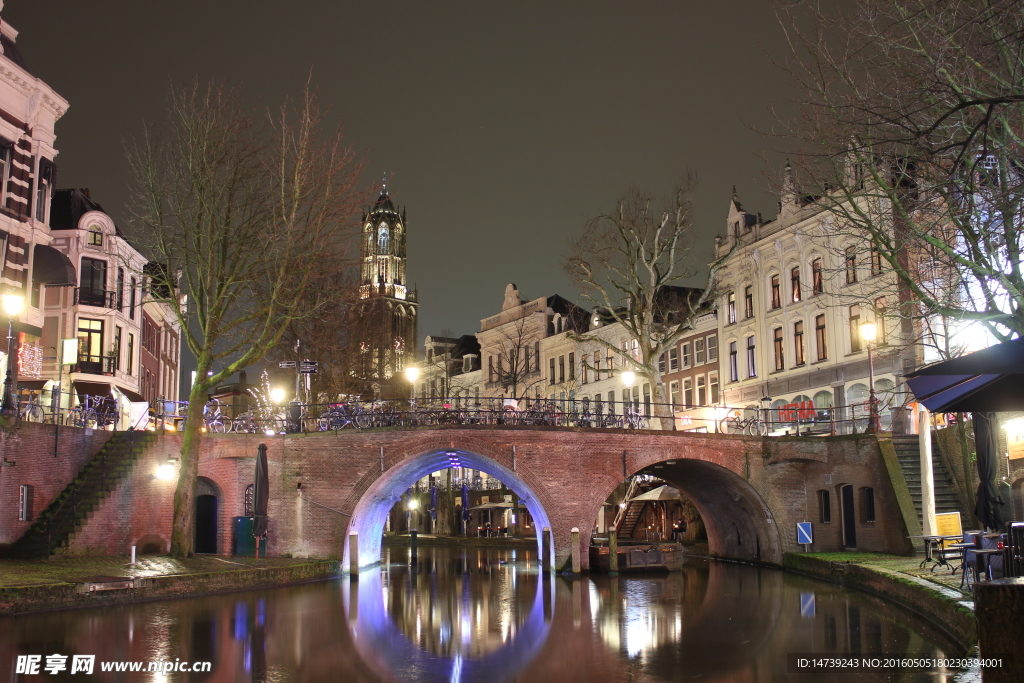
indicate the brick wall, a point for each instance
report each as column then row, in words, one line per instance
column 751, row 492
column 27, row 452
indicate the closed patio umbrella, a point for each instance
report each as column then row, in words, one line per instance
column 260, row 495
column 989, row 507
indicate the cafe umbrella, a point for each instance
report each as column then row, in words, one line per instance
column 982, row 383
column 260, row 494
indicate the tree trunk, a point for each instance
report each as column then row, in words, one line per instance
column 662, row 411
column 182, row 526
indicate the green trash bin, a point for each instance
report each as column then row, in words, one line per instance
column 245, row 544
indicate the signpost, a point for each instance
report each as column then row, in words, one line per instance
column 805, row 535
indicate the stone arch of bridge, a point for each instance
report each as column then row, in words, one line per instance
column 738, row 521
column 379, row 497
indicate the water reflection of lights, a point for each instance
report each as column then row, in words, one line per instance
column 417, row 634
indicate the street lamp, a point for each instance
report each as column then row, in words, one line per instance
column 868, row 334
column 412, row 373
column 13, row 304
column 628, row 378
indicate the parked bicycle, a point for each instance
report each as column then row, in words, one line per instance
column 31, row 411
column 214, row 419
column 735, row 423
column 95, row 412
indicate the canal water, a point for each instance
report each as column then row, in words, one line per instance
column 488, row 615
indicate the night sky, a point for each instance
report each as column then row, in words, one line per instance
column 501, row 126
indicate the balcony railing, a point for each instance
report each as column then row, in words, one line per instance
column 101, row 298
column 95, row 365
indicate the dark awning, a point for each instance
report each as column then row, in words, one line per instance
column 50, row 267
column 990, row 380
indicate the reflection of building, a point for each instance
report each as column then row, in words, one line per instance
column 29, row 266
column 388, row 309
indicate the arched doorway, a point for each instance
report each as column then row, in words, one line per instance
column 206, row 516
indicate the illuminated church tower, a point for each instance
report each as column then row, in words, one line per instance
column 388, row 305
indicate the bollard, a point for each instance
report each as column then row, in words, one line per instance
column 353, row 556
column 412, row 544
column 613, row 551
column 549, row 563
column 575, row 535
column 133, row 554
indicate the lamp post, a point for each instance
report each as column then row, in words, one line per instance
column 276, row 397
column 868, row 333
column 13, row 304
column 412, row 373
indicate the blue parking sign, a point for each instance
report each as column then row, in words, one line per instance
column 804, row 533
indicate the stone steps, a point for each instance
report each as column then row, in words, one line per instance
column 947, row 498
column 83, row 495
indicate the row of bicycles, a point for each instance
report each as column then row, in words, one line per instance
column 94, row 412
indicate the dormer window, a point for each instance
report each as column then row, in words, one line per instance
column 95, row 236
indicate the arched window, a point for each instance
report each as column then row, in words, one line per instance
column 383, row 237
column 248, row 506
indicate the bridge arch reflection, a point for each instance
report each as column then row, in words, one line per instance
column 371, row 512
column 388, row 649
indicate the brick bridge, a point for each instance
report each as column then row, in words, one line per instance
column 326, row 486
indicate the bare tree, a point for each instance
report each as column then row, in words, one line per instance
column 631, row 263
column 911, row 134
column 514, row 366
column 243, row 214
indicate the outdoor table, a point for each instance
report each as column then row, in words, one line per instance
column 983, row 556
column 930, row 544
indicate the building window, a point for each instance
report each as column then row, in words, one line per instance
column 687, row 358
column 551, row 370
column 95, row 236
column 748, row 301
column 116, row 348
column 120, row 289
column 798, row 343
column 698, row 352
column 855, row 341
column 824, row 506
column 597, row 366
column 731, row 308
column 25, row 503
column 130, row 360
column 776, row 292
column 90, row 342
column 536, row 356
column 817, row 280
column 561, row 369
column 867, row 508
column 131, row 299
column 712, row 348
column 780, row 355
column 876, row 260
column 6, row 149
column 43, row 186
column 663, row 362
column 820, row 339
column 673, row 393
column 794, row 282
column 490, row 368
column 702, row 390
column 713, row 384
column 572, row 366
column 880, row 309
column 850, row 260
column 751, row 356
column 688, row 392
column 93, row 282
column 673, row 359
column 734, row 369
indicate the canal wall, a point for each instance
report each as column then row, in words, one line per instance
column 111, row 590
column 948, row 609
